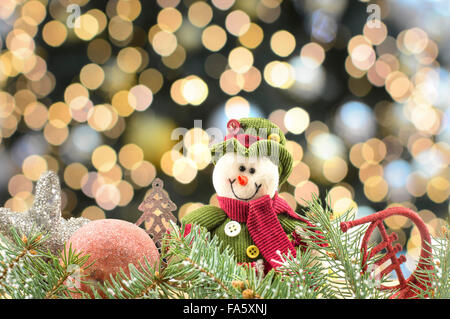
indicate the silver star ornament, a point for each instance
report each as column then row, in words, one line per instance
column 44, row 216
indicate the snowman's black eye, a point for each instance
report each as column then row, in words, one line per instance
column 242, row 168
column 252, row 170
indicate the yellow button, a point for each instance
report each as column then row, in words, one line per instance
column 274, row 137
column 252, row 251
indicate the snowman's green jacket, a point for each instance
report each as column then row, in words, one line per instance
column 214, row 219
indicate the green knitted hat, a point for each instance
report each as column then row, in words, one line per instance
column 256, row 137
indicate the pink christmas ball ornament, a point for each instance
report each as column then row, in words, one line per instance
column 111, row 244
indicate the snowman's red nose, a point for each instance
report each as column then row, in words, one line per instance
column 242, row 180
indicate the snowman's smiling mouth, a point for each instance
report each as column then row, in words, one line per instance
column 256, row 191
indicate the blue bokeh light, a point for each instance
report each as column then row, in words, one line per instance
column 356, row 121
column 396, row 173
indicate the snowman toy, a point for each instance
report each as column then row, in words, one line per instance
column 250, row 165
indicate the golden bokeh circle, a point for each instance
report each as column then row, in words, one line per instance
column 73, row 174
column 54, row 33
column 214, row 38
column 104, row 158
column 92, row 76
column 130, row 155
column 282, row 43
column 93, row 213
column 34, row 166
column 305, row 192
column 200, row 14
column 169, row 19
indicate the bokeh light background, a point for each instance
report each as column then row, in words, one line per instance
column 97, row 99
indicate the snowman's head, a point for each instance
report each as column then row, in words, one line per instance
column 245, row 178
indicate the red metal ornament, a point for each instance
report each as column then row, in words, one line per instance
column 376, row 220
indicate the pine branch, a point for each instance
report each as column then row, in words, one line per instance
column 202, row 262
column 198, row 266
column 190, row 262
column 435, row 276
column 17, row 250
column 141, row 282
column 11, row 265
column 68, row 264
column 30, row 272
column 306, row 275
column 342, row 255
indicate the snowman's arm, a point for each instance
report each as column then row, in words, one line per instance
column 207, row 216
column 290, row 227
column 289, row 224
